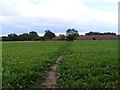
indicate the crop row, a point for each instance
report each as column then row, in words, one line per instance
column 25, row 63
column 90, row 64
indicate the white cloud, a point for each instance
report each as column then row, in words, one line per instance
column 65, row 9
column 100, row 0
column 108, row 0
column 73, row 12
column 21, row 26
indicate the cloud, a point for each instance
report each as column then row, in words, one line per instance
column 58, row 15
column 100, row 0
column 67, row 9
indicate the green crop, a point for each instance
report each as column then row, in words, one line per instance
column 90, row 64
column 84, row 64
column 26, row 62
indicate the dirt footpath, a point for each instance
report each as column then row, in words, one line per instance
column 51, row 80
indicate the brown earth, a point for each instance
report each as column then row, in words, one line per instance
column 51, row 80
column 98, row 37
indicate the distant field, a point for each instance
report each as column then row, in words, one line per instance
column 84, row 64
column 98, row 37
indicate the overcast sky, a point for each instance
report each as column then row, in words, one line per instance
column 23, row 16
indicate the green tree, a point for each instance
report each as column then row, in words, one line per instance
column 70, row 37
column 97, row 33
column 24, row 37
column 93, row 38
column 33, row 35
column 71, row 34
column 12, row 37
column 5, row 38
column 62, row 36
column 37, row 38
column 49, row 34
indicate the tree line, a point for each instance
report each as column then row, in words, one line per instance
column 97, row 33
column 71, row 34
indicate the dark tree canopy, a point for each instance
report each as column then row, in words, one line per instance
column 24, row 37
column 71, row 34
column 72, row 31
column 71, row 37
column 97, row 33
column 12, row 37
column 49, row 34
column 33, row 35
column 5, row 38
column 62, row 36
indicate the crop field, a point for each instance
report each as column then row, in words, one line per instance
column 84, row 64
column 90, row 64
column 98, row 37
column 26, row 62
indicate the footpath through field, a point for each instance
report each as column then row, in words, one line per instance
column 51, row 79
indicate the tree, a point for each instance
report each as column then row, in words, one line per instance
column 62, row 36
column 93, row 38
column 37, row 38
column 5, row 38
column 49, row 34
column 72, row 31
column 71, row 34
column 24, row 37
column 70, row 37
column 12, row 37
column 97, row 33
column 93, row 33
column 33, row 35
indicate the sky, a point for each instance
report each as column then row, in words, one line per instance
column 23, row 16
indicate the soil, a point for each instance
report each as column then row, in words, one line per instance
column 51, row 80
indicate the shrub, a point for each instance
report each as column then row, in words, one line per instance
column 93, row 38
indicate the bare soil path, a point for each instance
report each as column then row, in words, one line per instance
column 51, row 80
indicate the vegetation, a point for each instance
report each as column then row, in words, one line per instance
column 72, row 34
column 97, row 33
column 49, row 34
column 84, row 64
column 90, row 64
column 32, row 36
column 25, row 63
column 62, row 37
column 93, row 38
